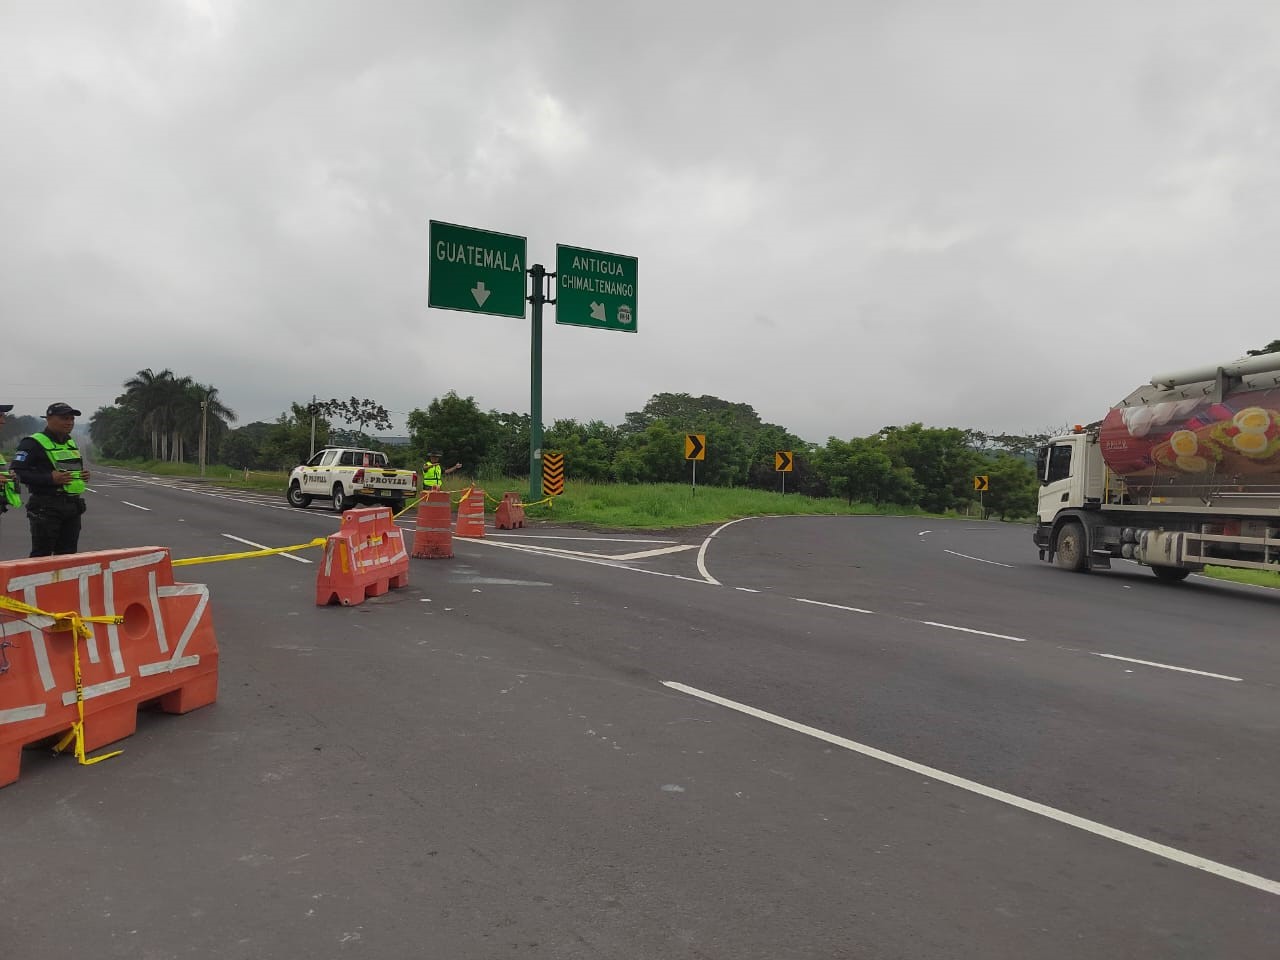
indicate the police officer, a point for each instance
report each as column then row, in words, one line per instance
column 433, row 473
column 8, row 485
column 49, row 464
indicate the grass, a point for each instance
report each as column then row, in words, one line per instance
column 1258, row 578
column 637, row 506
column 663, row 505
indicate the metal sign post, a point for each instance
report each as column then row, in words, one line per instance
column 695, row 449
column 538, row 273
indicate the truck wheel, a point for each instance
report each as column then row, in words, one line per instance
column 1171, row 574
column 341, row 501
column 296, row 497
column 1071, row 552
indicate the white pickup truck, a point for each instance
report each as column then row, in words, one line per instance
column 348, row 477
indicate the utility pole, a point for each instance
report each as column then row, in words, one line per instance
column 204, row 434
column 312, row 410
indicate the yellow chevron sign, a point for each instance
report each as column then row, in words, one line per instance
column 695, row 446
column 782, row 461
column 552, row 474
column 982, row 483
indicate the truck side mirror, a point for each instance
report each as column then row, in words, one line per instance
column 1042, row 462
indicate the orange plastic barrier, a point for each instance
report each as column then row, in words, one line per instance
column 434, row 536
column 471, row 515
column 365, row 558
column 164, row 650
column 510, row 512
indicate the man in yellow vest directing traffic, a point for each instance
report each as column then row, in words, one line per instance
column 49, row 465
column 433, row 473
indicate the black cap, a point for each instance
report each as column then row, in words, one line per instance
column 5, row 407
column 61, row 410
column 436, row 454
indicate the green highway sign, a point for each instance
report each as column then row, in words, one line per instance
column 595, row 289
column 476, row 270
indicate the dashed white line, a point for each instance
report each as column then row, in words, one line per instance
column 982, row 633
column 994, row 563
column 1030, row 806
column 833, row 606
column 1166, row 666
column 135, row 506
column 263, row 546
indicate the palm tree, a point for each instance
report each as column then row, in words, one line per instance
column 209, row 406
column 146, row 396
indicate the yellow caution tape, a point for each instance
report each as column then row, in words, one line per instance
column 189, row 561
column 408, row 507
column 77, row 626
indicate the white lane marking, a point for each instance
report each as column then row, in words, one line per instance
column 923, row 532
column 746, row 589
column 654, row 553
column 547, row 536
column 639, row 555
column 702, row 551
column 983, row 633
column 1166, row 666
column 833, row 606
column 135, row 506
column 262, row 546
column 994, row 563
column 1030, row 806
column 571, row 555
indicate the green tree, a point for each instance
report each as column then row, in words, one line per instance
column 455, row 426
column 1013, row 490
column 1272, row 347
column 208, row 416
column 861, row 471
column 507, row 450
column 247, row 447
column 654, row 456
column 588, row 448
column 15, row 428
column 358, row 411
column 942, row 461
column 115, row 433
column 148, row 396
column 289, row 441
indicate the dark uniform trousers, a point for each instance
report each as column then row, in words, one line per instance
column 55, row 523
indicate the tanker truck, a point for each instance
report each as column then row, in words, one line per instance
column 1183, row 472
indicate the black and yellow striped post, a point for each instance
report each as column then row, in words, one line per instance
column 552, row 474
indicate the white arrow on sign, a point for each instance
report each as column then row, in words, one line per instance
column 480, row 293
column 597, row 311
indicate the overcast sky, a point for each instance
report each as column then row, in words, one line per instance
column 1000, row 215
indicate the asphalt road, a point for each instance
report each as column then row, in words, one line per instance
column 786, row 737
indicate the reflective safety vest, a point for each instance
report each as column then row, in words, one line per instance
column 66, row 457
column 431, row 475
column 10, row 487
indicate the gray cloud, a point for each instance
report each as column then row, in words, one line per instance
column 1001, row 215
